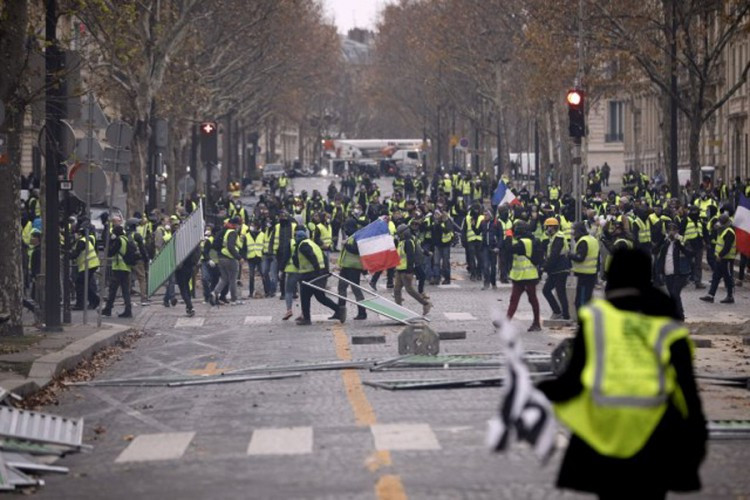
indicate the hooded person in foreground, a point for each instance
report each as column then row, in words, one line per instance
column 629, row 395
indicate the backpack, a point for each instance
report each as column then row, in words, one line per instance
column 131, row 256
column 537, row 252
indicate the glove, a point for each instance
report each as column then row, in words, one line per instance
column 679, row 237
column 211, row 263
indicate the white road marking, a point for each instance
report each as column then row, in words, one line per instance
column 452, row 285
column 257, row 320
column 151, row 447
column 404, row 437
column 283, row 441
column 189, row 322
column 320, row 317
column 459, row 316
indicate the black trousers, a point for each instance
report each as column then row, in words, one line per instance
column 675, row 283
column 252, row 266
column 556, row 282
column 306, row 295
column 119, row 279
column 352, row 275
column 183, row 277
column 723, row 270
column 584, row 289
column 697, row 263
column 93, row 297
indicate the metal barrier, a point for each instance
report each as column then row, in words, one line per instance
column 183, row 243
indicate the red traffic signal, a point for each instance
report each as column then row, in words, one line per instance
column 208, row 128
column 576, row 113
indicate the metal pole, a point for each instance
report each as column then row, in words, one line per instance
column 54, row 113
column 67, row 319
column 577, row 176
column 536, row 156
column 90, row 136
column 673, row 181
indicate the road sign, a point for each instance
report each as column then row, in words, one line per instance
column 119, row 134
column 88, row 149
column 89, row 183
column 186, row 185
column 464, row 142
column 92, row 114
column 117, row 160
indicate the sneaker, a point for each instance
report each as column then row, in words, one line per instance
column 145, row 303
column 360, row 316
column 708, row 298
column 190, row 313
column 106, row 312
column 303, row 322
column 426, row 308
column 556, row 316
column 728, row 300
column 212, row 299
column 288, row 315
column 535, row 328
column 173, row 301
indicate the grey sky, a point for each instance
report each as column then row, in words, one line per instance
column 354, row 13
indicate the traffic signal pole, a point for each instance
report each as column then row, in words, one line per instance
column 53, row 125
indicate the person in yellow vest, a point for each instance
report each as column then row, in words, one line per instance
column 120, row 273
column 82, row 252
column 35, row 262
column 585, row 260
column 557, row 266
column 351, row 271
column 404, row 278
column 524, row 274
column 726, row 251
column 209, row 272
column 473, row 238
column 283, row 184
column 309, row 262
column 229, row 257
column 628, row 394
column 254, row 240
column 692, row 232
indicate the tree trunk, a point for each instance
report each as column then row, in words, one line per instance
column 136, row 185
column 13, row 25
column 553, row 136
column 543, row 151
column 694, row 148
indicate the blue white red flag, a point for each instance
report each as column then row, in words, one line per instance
column 377, row 251
column 503, row 195
column 742, row 226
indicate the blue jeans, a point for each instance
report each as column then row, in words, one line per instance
column 584, row 289
column 489, row 266
column 290, row 287
column 169, row 293
column 442, row 262
column 270, row 271
column 209, row 278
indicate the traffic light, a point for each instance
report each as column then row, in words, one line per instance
column 209, row 132
column 576, row 113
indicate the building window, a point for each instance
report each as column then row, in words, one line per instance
column 614, row 122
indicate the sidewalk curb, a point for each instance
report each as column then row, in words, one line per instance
column 44, row 369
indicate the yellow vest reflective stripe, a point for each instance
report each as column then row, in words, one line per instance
column 305, row 266
column 224, row 249
column 720, row 245
column 119, row 262
column 447, row 236
column 283, row 181
column 89, row 253
column 470, row 234
column 627, row 380
column 588, row 266
column 523, row 268
column 254, row 245
column 290, row 267
column 554, row 193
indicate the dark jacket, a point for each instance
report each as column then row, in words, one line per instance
column 409, row 251
column 681, row 255
column 670, row 459
column 557, row 261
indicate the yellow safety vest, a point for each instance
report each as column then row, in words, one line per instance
column 627, row 380
column 276, row 229
column 523, row 269
column 326, row 235
column 565, row 248
column 283, row 181
column 447, row 237
column 554, row 193
column 720, row 245
column 692, row 231
column 470, row 234
column 224, row 249
column 89, row 253
column 644, row 233
column 305, row 266
column 255, row 245
column 588, row 266
column 290, row 267
column 348, row 260
column 402, row 256
column 119, row 263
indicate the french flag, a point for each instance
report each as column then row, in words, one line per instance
column 503, row 195
column 377, row 251
column 742, row 226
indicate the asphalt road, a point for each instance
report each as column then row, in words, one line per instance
column 324, row 435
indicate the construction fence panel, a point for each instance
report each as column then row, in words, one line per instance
column 161, row 267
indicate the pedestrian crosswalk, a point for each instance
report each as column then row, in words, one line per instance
column 195, row 322
column 257, row 320
column 459, row 316
column 283, row 441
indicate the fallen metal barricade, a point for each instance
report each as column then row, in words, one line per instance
column 181, row 381
column 376, row 303
column 728, row 429
column 457, row 383
column 41, row 427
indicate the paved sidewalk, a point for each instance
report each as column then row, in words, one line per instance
column 30, row 362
